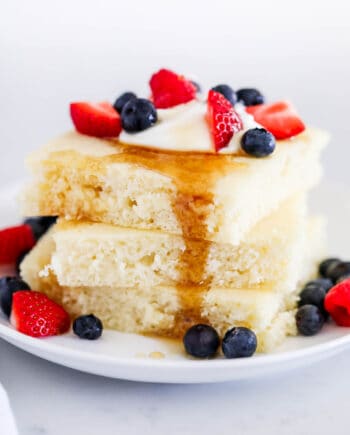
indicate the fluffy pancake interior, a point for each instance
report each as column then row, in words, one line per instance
column 90, row 254
column 157, row 310
column 215, row 198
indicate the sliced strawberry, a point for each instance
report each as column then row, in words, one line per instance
column 14, row 241
column 170, row 89
column 337, row 303
column 34, row 314
column 280, row 119
column 223, row 121
column 96, row 119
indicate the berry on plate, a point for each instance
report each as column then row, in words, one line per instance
column 280, row 119
column 324, row 283
column 338, row 270
column 8, row 286
column 250, row 96
column 88, row 327
column 201, row 341
column 309, row 320
column 239, row 342
column 95, row 119
column 258, row 142
column 337, row 303
column 40, row 224
column 314, row 294
column 34, row 314
column 138, row 114
column 343, row 278
column 325, row 266
column 223, row 121
column 170, row 89
column 14, row 241
column 227, row 92
column 122, row 100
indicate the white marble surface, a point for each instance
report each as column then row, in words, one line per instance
column 7, row 420
column 52, row 400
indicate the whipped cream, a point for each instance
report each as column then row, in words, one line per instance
column 184, row 128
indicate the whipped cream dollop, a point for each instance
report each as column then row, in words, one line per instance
column 184, row 128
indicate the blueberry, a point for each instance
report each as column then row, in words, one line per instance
column 309, row 320
column 8, row 286
column 250, row 96
column 19, row 261
column 326, row 264
column 197, row 85
column 201, row 341
column 88, row 327
column 122, row 100
column 239, row 342
column 40, row 224
column 343, row 278
column 138, row 114
column 227, row 92
column 325, row 283
column 313, row 294
column 258, row 142
column 336, row 270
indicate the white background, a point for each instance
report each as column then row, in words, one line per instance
column 54, row 52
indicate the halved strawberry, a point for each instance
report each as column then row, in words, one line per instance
column 280, row 119
column 337, row 303
column 96, row 119
column 14, row 241
column 170, row 89
column 34, row 314
column 223, row 121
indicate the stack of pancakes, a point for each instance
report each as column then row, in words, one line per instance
column 153, row 242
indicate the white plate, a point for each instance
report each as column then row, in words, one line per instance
column 134, row 357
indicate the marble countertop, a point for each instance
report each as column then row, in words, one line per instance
column 51, row 400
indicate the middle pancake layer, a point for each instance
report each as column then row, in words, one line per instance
column 92, row 254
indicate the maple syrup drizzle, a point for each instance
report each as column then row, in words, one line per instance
column 194, row 176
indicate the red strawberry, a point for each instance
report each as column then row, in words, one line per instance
column 170, row 89
column 337, row 303
column 34, row 314
column 280, row 119
column 14, row 241
column 223, row 121
column 96, row 119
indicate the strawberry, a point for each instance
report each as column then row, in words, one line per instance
column 14, row 241
column 337, row 303
column 96, row 119
column 170, row 89
column 34, row 314
column 223, row 121
column 280, row 119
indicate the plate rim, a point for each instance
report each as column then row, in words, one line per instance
column 7, row 331
column 182, row 369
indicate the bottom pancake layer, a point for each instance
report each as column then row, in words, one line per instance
column 170, row 310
